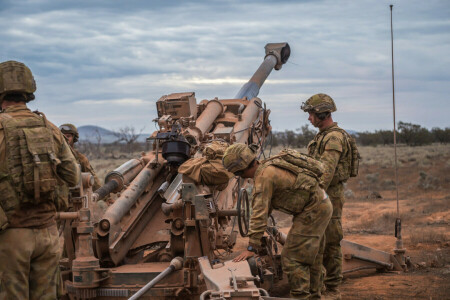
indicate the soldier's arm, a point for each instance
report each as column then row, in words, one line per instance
column 330, row 158
column 87, row 167
column 97, row 182
column 68, row 168
column 262, row 196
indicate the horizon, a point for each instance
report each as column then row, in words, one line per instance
column 351, row 131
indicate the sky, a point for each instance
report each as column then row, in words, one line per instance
column 107, row 62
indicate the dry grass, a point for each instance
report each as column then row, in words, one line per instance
column 383, row 156
column 427, row 236
column 381, row 221
column 430, row 246
column 419, row 206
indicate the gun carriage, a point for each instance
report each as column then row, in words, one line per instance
column 167, row 237
column 161, row 233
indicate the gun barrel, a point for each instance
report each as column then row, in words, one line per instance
column 117, row 179
column 128, row 197
column 248, row 116
column 277, row 54
column 106, row 189
column 213, row 109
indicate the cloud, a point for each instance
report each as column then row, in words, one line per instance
column 119, row 102
column 120, row 57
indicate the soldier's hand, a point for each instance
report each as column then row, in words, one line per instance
column 243, row 256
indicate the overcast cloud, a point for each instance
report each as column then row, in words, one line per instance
column 106, row 62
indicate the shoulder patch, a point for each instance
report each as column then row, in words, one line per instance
column 334, row 141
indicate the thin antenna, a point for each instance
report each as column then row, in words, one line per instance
column 393, row 109
column 399, row 250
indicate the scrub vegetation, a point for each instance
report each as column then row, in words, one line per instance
column 370, row 212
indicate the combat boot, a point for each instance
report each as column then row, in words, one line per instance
column 332, row 294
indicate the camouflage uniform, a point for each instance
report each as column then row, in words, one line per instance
column 331, row 148
column 293, row 188
column 29, row 241
column 277, row 188
column 80, row 157
column 208, row 170
column 29, row 247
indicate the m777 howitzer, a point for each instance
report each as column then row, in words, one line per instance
column 164, row 236
column 167, row 236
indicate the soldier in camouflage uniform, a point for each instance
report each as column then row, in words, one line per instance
column 71, row 133
column 296, row 194
column 208, row 169
column 334, row 147
column 34, row 160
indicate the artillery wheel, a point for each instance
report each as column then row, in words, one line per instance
column 243, row 210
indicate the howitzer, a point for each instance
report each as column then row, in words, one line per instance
column 159, row 214
column 167, row 236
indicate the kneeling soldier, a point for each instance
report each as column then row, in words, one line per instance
column 291, row 189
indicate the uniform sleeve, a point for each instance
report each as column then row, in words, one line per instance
column 86, row 167
column 97, row 182
column 262, row 196
column 330, row 157
column 68, row 168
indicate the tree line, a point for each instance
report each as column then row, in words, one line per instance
column 126, row 142
column 407, row 133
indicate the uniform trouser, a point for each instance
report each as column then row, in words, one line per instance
column 300, row 257
column 29, row 262
column 332, row 257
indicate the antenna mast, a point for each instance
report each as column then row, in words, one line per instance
column 393, row 109
column 399, row 250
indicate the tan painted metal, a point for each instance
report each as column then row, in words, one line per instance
column 127, row 199
column 242, row 128
column 359, row 257
column 156, row 216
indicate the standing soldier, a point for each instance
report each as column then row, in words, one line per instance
column 296, row 191
column 336, row 149
column 71, row 133
column 34, row 160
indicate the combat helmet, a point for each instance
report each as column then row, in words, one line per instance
column 238, row 157
column 70, row 128
column 16, row 78
column 319, row 103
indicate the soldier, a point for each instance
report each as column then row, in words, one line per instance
column 336, row 149
column 71, row 133
column 278, row 186
column 34, row 160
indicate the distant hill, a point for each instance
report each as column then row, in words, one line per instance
column 90, row 132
